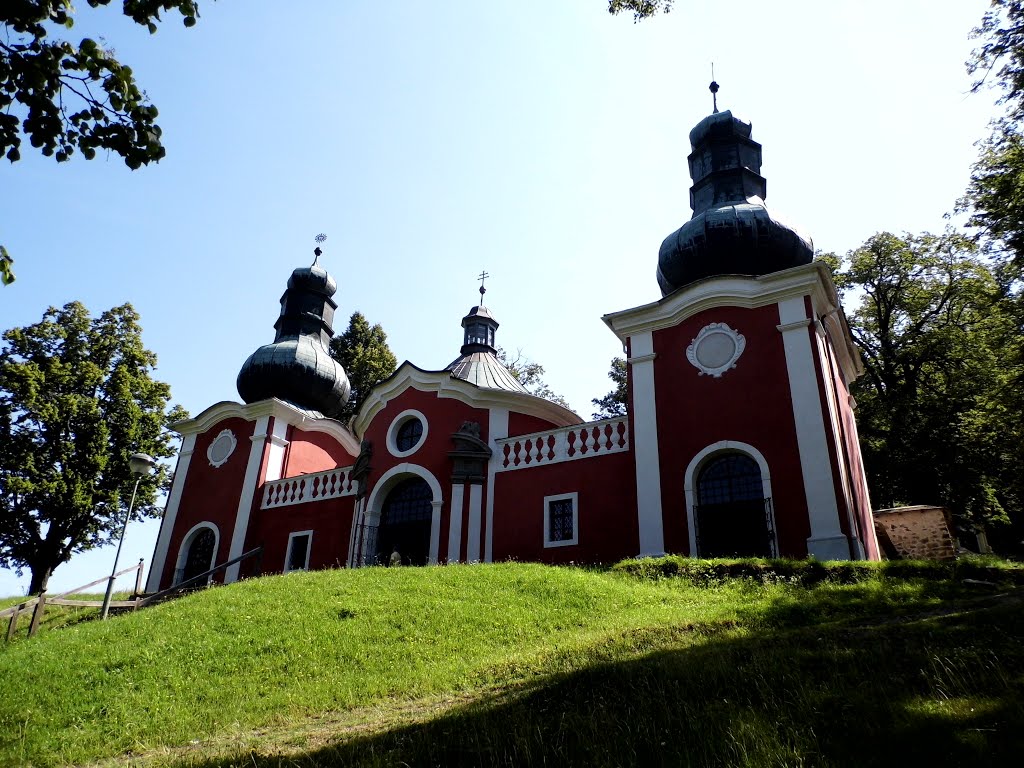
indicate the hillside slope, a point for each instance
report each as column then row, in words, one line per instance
column 513, row 664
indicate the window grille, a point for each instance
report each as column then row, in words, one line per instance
column 560, row 520
column 409, row 434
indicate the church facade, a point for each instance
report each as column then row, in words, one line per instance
column 738, row 437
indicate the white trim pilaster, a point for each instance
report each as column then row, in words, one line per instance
column 276, row 451
column 473, row 527
column 163, row 542
column 455, row 523
column 497, row 427
column 435, row 530
column 827, row 541
column 252, row 476
column 645, row 439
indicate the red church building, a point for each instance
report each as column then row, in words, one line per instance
column 739, row 435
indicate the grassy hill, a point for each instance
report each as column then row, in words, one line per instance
column 516, row 664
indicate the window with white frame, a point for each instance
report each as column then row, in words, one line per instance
column 561, row 520
column 299, row 545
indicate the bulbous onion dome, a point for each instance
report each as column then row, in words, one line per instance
column 731, row 231
column 298, row 367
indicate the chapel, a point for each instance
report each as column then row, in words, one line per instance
column 739, row 437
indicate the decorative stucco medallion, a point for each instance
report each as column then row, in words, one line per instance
column 221, row 448
column 715, row 349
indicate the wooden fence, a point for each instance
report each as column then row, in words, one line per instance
column 40, row 603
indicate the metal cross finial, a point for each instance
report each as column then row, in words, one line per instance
column 483, row 276
column 320, row 239
column 713, row 88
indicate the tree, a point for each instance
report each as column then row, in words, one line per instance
column 641, row 9
column 530, row 375
column 65, row 96
column 614, row 403
column 363, row 352
column 76, row 400
column 995, row 195
column 932, row 407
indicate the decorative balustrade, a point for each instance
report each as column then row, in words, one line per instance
column 580, row 441
column 319, row 486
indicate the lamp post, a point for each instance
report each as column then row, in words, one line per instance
column 141, row 465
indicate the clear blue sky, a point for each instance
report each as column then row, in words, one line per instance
column 542, row 141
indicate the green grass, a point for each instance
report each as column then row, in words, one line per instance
column 54, row 617
column 517, row 664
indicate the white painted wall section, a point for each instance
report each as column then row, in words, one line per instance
column 473, row 527
column 497, row 428
column 252, row 476
column 645, row 440
column 455, row 523
column 156, row 568
column 827, row 541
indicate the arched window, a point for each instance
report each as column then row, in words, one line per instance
column 732, row 516
column 405, row 523
column 728, row 478
column 199, row 554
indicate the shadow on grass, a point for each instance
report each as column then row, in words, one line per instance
column 937, row 689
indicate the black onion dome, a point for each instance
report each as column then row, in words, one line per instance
column 314, row 278
column 731, row 231
column 297, row 367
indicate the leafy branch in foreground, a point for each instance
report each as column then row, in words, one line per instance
column 64, row 97
column 641, row 9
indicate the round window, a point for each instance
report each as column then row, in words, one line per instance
column 410, row 432
column 407, row 433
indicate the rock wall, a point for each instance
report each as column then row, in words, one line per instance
column 919, row 532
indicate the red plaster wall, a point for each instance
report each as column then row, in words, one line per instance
column 330, row 521
column 522, row 424
column 444, row 417
column 210, row 493
column 607, row 510
column 750, row 403
column 313, row 452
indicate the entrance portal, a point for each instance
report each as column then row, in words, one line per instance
column 732, row 516
column 405, row 523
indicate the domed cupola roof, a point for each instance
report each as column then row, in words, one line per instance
column 298, row 367
column 731, row 231
column 478, row 362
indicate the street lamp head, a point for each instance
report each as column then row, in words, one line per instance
column 141, row 463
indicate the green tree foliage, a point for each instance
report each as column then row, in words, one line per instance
column 932, row 406
column 614, row 403
column 641, row 9
column 76, row 400
column 530, row 375
column 65, row 96
column 363, row 352
column 995, row 196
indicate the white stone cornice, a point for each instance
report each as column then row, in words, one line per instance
column 408, row 376
column 278, row 409
column 795, row 325
column 642, row 358
column 728, row 290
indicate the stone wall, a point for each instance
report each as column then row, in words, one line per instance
column 919, row 532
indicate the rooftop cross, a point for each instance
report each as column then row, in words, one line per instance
column 320, row 239
column 483, row 276
column 713, row 88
